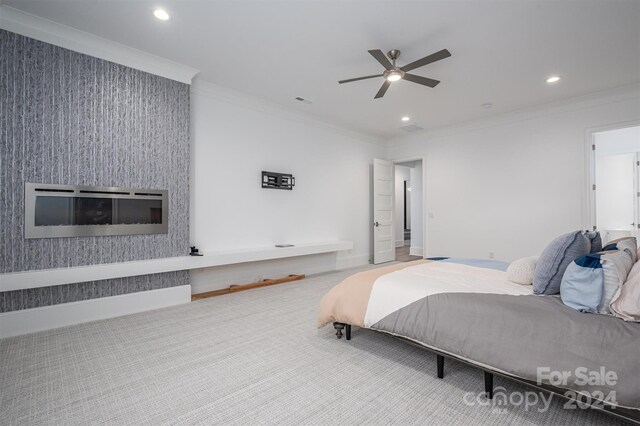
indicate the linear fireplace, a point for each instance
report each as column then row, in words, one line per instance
column 79, row 211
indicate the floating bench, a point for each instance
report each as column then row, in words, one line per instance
column 78, row 274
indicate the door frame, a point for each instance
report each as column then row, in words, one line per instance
column 589, row 203
column 395, row 161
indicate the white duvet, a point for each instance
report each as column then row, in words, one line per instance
column 398, row 289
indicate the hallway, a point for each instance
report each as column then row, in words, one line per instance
column 402, row 253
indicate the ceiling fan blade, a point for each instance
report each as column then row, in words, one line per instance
column 359, row 78
column 383, row 89
column 444, row 53
column 421, row 80
column 382, row 58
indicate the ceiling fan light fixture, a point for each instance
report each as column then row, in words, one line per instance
column 161, row 14
column 394, row 75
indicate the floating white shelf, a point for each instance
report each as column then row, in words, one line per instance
column 78, row 274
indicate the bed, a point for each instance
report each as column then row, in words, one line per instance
column 468, row 310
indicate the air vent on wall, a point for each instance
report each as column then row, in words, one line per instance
column 410, row 128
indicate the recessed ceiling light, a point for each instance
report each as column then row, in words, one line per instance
column 553, row 79
column 161, row 14
column 405, row 118
column 486, row 105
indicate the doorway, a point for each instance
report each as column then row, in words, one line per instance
column 616, row 182
column 408, row 211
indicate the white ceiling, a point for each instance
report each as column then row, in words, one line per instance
column 502, row 51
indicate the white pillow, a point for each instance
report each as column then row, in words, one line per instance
column 521, row 270
column 625, row 243
column 626, row 302
column 616, row 271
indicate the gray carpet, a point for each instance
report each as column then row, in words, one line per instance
column 247, row 358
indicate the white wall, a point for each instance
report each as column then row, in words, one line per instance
column 401, row 174
column 234, row 138
column 510, row 184
column 417, row 217
column 618, row 141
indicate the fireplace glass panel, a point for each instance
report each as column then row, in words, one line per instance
column 93, row 211
column 60, row 211
column 54, row 211
column 132, row 211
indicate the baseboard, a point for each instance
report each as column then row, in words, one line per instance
column 415, row 251
column 26, row 321
column 399, row 243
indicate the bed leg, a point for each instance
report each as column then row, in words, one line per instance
column 339, row 327
column 440, row 362
column 348, row 331
column 488, row 384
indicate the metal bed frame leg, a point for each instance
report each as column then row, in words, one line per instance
column 339, row 327
column 440, row 362
column 488, row 384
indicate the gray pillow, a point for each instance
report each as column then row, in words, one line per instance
column 596, row 240
column 554, row 261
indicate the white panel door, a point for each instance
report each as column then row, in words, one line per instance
column 636, row 197
column 616, row 195
column 383, row 233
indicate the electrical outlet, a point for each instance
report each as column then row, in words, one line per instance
column 491, row 254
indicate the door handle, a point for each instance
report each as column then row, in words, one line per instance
column 376, row 224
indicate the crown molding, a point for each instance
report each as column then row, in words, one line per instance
column 70, row 38
column 590, row 100
column 254, row 103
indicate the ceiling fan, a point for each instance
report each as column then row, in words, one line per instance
column 393, row 73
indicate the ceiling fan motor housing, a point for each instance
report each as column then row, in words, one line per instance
column 393, row 54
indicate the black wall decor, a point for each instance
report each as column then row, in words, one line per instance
column 278, row 180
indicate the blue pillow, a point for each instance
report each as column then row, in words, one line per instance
column 591, row 282
column 555, row 258
column 582, row 287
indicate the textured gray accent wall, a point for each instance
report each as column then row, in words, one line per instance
column 69, row 118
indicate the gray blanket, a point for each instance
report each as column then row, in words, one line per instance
column 519, row 335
